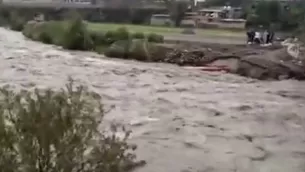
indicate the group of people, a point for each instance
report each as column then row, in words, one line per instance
column 260, row 37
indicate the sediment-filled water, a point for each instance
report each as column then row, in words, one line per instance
column 182, row 120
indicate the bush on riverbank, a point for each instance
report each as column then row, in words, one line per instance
column 45, row 38
column 138, row 35
column 4, row 16
column 11, row 19
column 48, row 130
column 155, row 38
column 76, row 35
column 17, row 23
column 138, row 49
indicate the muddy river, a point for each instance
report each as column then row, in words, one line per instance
column 182, row 120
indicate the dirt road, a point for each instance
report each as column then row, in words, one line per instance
column 182, row 120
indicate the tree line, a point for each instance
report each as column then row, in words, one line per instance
column 274, row 14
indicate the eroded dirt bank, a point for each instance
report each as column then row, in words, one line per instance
column 182, row 120
column 260, row 62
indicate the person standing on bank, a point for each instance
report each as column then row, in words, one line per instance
column 257, row 37
column 270, row 36
column 250, row 36
column 265, row 37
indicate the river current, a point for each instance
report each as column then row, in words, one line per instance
column 182, row 120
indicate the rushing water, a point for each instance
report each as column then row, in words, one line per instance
column 182, row 120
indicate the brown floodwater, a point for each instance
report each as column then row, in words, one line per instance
column 182, row 119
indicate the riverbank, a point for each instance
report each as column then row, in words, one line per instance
column 251, row 61
column 198, row 121
column 78, row 32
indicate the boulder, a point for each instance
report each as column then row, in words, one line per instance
column 118, row 49
column 140, row 50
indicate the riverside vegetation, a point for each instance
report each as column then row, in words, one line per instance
column 46, row 130
column 75, row 34
column 51, row 130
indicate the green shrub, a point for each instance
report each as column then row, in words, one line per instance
column 139, row 50
column 138, row 35
column 110, row 37
column 3, row 21
column 118, row 49
column 155, row 38
column 45, row 38
column 116, row 35
column 4, row 16
column 27, row 30
column 48, row 130
column 100, row 49
column 77, row 36
column 122, row 33
column 16, row 22
column 98, row 38
column 17, row 25
column 56, row 30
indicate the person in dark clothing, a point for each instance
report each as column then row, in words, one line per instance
column 270, row 36
column 250, row 36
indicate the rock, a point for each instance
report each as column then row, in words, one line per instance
column 140, row 50
column 118, row 49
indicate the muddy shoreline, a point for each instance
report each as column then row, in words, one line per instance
column 254, row 61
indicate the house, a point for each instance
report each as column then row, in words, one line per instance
column 212, row 13
column 221, row 17
column 221, row 12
